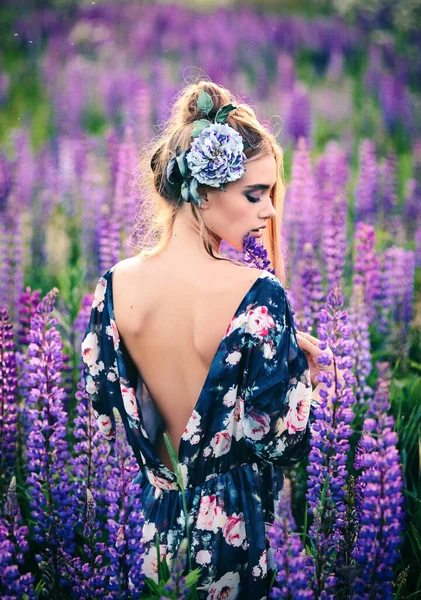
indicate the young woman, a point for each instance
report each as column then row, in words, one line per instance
column 184, row 341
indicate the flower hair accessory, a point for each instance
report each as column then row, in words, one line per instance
column 215, row 157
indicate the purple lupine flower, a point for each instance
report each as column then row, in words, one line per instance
column 177, row 582
column 327, row 461
column 286, row 71
column 28, row 302
column 5, row 181
column 396, row 301
column 88, row 574
column 8, row 402
column 367, row 185
column 255, row 254
column 379, row 497
column 123, row 469
column 89, row 464
column 108, row 238
column 294, row 568
column 24, row 170
column 361, row 344
column 418, row 247
column 302, row 207
column 298, row 120
column 388, row 194
column 13, row 546
column 124, row 206
column 52, row 502
column 412, row 206
column 367, row 268
column 312, row 289
column 10, row 261
column 395, row 101
column 134, row 534
column 332, row 173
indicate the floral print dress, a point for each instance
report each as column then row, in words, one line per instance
column 253, row 416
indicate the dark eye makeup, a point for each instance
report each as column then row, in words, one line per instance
column 253, row 199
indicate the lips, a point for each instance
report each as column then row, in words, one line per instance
column 259, row 228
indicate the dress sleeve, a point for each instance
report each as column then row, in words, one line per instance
column 100, row 369
column 278, row 407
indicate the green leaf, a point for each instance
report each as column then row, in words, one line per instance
column 199, row 126
column 205, row 102
column 185, row 191
column 416, row 536
column 273, row 578
column 181, row 161
column 194, row 193
column 170, row 168
column 193, row 576
column 165, row 569
column 223, row 113
column 153, row 586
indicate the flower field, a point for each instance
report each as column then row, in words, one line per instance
column 81, row 93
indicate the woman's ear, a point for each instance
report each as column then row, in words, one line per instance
column 205, row 199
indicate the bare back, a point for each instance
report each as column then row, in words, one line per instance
column 172, row 322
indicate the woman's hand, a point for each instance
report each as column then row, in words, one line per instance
column 310, row 345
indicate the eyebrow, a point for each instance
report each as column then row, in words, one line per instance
column 258, row 186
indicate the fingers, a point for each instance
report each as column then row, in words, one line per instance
column 309, row 337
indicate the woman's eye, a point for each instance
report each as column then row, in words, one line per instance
column 253, row 198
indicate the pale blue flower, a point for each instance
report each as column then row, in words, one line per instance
column 216, row 155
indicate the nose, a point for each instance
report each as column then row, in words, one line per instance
column 271, row 213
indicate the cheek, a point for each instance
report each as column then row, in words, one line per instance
column 229, row 213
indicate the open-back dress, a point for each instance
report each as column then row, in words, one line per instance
column 253, row 416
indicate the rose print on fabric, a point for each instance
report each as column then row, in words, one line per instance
column 236, row 323
column 226, row 587
column 261, row 568
column 221, row 443
column 192, row 427
column 90, row 354
column 233, row 358
column 211, row 517
column 299, row 408
column 99, row 294
column 129, row 400
column 230, row 396
column 234, row 530
column 259, row 322
column 203, row 557
column 150, row 561
column 256, row 424
column 112, row 331
column 105, row 425
column 233, row 420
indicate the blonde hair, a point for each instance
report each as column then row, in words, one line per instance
column 159, row 208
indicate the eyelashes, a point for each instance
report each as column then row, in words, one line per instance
column 253, row 199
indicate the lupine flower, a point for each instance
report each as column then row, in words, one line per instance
column 52, row 504
column 255, row 254
column 367, row 185
column 294, row 568
column 397, row 289
column 13, row 546
column 367, row 268
column 312, row 289
column 124, row 533
column 327, row 461
column 379, row 497
column 360, row 344
column 8, row 403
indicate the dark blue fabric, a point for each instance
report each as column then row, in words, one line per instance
column 253, row 416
